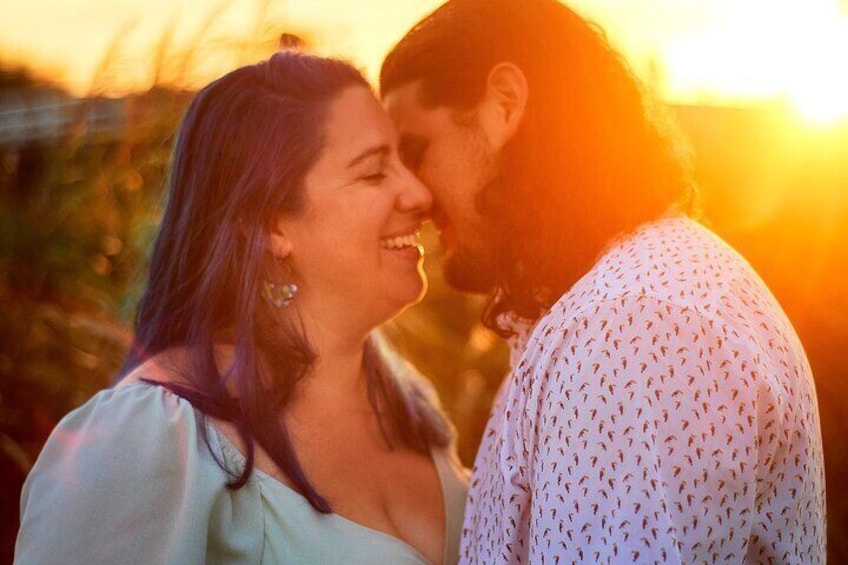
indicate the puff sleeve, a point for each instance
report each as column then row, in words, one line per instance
column 128, row 478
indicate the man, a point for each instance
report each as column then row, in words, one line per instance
column 660, row 406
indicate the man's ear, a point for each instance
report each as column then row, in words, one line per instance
column 504, row 101
column 279, row 244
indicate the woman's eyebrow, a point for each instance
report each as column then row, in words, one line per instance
column 381, row 150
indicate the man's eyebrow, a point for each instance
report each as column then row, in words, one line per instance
column 376, row 150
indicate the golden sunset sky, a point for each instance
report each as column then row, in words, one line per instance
column 694, row 51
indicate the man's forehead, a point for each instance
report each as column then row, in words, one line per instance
column 414, row 119
column 404, row 105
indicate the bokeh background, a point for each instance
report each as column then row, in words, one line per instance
column 91, row 92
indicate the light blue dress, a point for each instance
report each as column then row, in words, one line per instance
column 127, row 478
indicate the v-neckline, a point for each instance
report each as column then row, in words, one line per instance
column 225, row 443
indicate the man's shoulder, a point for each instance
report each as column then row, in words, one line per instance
column 668, row 277
column 675, row 260
column 674, row 263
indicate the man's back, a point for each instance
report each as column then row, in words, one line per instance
column 662, row 410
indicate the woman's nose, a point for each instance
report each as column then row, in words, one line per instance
column 415, row 196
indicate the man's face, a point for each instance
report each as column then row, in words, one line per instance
column 453, row 158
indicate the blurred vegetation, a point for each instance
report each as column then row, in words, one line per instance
column 78, row 213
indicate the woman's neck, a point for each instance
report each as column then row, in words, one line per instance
column 339, row 346
column 336, row 374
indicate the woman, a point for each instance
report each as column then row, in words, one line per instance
column 259, row 419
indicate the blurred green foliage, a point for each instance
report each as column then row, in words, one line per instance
column 76, row 214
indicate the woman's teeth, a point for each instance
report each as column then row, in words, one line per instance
column 399, row 242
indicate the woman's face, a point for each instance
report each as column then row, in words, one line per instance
column 353, row 249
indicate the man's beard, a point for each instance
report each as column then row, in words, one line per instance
column 471, row 267
column 466, row 272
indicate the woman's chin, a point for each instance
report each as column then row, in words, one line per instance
column 422, row 292
column 411, row 295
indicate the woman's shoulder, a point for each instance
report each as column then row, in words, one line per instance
column 136, row 426
column 169, row 366
column 135, row 406
column 126, row 477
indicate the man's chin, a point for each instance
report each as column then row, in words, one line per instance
column 466, row 273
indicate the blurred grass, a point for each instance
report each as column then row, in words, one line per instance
column 77, row 215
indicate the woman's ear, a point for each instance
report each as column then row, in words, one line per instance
column 279, row 244
column 501, row 110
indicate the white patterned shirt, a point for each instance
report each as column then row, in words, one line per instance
column 662, row 411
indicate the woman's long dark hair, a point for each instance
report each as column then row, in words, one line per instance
column 242, row 153
column 590, row 161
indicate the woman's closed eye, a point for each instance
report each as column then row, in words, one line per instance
column 374, row 177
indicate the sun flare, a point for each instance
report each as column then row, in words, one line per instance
column 822, row 103
column 819, row 90
column 703, row 51
column 792, row 55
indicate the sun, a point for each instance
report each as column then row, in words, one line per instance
column 821, row 104
column 795, row 56
column 819, row 86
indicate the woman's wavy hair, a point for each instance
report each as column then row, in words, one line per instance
column 593, row 157
column 242, row 152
